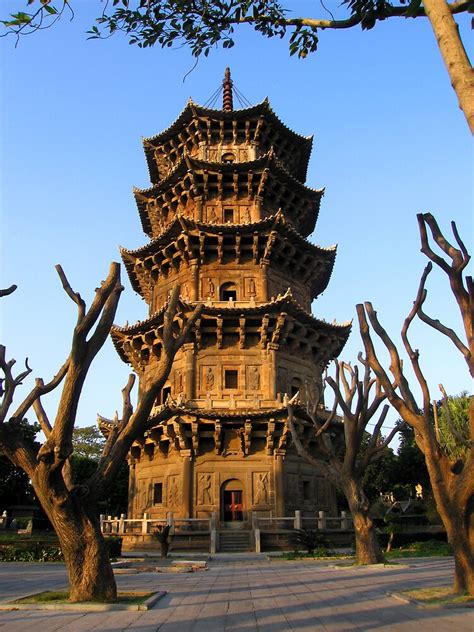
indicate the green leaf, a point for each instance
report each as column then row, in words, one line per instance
column 50, row 10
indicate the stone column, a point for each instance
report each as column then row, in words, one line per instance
column 194, row 290
column 279, row 483
column 198, row 215
column 272, row 370
column 264, row 280
column 189, row 371
column 132, row 490
column 187, row 478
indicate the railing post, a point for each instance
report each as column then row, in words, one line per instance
column 322, row 521
column 101, row 520
column 258, row 546
column 121, row 526
column 254, row 520
column 213, row 529
column 344, row 521
column 145, row 524
column 297, row 521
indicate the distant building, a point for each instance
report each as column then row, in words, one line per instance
column 228, row 215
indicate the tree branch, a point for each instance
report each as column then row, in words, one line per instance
column 8, row 290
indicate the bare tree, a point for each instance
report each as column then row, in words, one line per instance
column 452, row 479
column 359, row 399
column 72, row 509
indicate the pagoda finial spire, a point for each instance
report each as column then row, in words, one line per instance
column 227, row 99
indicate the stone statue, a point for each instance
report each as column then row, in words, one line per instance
column 205, row 482
column 209, row 379
column 252, row 289
column 261, row 496
column 254, row 378
column 211, row 289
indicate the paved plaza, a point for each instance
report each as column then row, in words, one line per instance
column 250, row 595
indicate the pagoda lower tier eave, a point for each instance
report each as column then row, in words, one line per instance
column 231, row 432
column 272, row 238
column 281, row 323
column 216, row 180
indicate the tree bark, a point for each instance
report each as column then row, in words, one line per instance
column 86, row 556
column 454, row 55
column 367, row 547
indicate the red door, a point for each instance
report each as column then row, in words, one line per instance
column 232, row 505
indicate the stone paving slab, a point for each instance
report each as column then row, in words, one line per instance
column 250, row 596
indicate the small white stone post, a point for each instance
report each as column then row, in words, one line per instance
column 213, row 530
column 322, row 521
column 344, row 521
column 297, row 521
column 170, row 521
column 122, row 523
column 145, row 524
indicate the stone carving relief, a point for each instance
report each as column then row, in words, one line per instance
column 245, row 215
column 251, row 289
column 243, row 155
column 212, row 155
column 178, row 382
column 205, row 489
column 209, row 379
column 260, row 488
column 253, row 378
column 174, row 496
column 211, row 214
column 211, row 288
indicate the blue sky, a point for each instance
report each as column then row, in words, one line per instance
column 390, row 141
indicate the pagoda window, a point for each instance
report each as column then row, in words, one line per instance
column 295, row 386
column 231, row 379
column 158, row 493
column 229, row 215
column 228, row 292
column 228, row 157
column 164, row 395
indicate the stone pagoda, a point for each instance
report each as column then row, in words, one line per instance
column 228, row 216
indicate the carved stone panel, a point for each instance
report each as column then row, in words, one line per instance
column 205, row 489
column 209, row 379
column 260, row 488
column 253, row 378
column 174, row 494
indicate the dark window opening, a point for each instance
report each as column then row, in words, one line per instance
column 158, row 493
column 228, row 157
column 295, row 387
column 228, row 215
column 294, row 390
column 228, row 295
column 231, row 379
column 228, row 291
column 164, row 394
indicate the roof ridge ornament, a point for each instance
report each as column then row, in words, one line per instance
column 227, row 97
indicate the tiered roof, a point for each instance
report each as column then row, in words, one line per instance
column 272, row 239
column 280, row 321
column 266, row 178
column 197, row 124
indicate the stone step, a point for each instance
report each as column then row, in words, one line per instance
column 234, row 541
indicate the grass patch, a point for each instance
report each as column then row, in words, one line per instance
column 422, row 549
column 60, row 597
column 438, row 596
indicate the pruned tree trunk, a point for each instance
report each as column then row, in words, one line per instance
column 454, row 55
column 85, row 551
column 368, row 550
column 455, row 505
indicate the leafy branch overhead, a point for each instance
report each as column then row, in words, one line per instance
column 201, row 24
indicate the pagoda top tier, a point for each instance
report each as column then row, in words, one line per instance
column 227, row 135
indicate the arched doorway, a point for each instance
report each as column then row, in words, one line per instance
column 232, row 501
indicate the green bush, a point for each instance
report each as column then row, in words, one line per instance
column 30, row 552
column 403, row 538
column 309, row 540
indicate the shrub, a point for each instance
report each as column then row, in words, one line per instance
column 309, row 540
